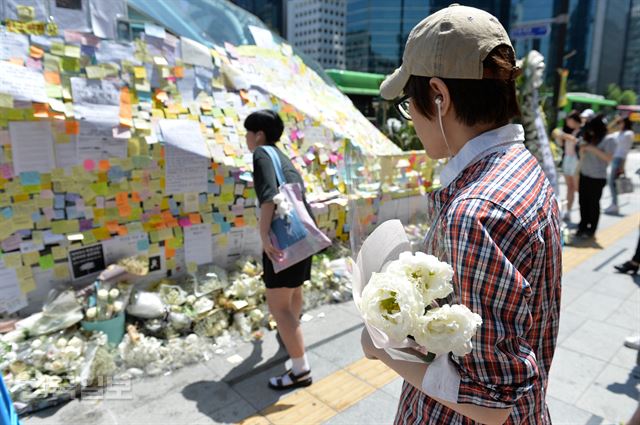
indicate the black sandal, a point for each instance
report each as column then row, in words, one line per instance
column 297, row 381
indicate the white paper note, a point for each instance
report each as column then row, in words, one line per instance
column 95, row 92
column 104, row 14
column 186, row 135
column 13, row 45
column 32, row 146
column 11, row 297
column 95, row 139
column 198, row 246
column 22, row 83
column 195, row 53
column 110, row 51
column 122, row 247
column 184, row 171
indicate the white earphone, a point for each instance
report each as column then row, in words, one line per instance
column 438, row 101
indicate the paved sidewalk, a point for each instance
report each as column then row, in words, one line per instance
column 591, row 377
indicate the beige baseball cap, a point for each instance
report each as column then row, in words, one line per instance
column 451, row 43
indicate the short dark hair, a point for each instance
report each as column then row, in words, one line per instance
column 267, row 121
column 594, row 130
column 486, row 101
column 575, row 115
column 626, row 124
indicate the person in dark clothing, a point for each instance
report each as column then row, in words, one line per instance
column 631, row 265
column 284, row 289
column 596, row 153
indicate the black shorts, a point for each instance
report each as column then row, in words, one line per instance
column 292, row 277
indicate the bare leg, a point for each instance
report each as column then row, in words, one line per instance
column 296, row 302
column 571, row 190
column 280, row 305
column 635, row 419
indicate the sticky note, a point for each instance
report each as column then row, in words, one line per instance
column 31, row 258
column 6, row 100
column 61, row 271
column 46, row 262
column 59, row 252
column 30, row 178
column 27, row 285
column 72, row 51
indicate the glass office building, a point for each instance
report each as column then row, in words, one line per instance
column 271, row 12
column 377, row 31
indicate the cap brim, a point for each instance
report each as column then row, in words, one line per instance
column 393, row 85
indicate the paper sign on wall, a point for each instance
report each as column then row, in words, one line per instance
column 198, row 244
column 32, row 146
column 22, row 83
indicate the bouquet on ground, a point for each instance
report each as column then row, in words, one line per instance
column 400, row 297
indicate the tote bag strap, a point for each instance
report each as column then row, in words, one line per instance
column 277, row 165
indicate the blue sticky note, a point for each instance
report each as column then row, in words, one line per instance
column 202, row 198
column 72, row 213
column 143, row 244
column 7, row 212
column 36, row 216
column 30, row 178
column 116, row 174
column 218, row 218
column 58, row 214
column 59, row 202
column 214, row 189
column 226, row 227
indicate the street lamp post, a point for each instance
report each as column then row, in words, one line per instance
column 562, row 34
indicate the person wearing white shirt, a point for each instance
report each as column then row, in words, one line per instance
column 624, row 140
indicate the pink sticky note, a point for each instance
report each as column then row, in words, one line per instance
column 6, row 170
column 184, row 222
column 89, row 165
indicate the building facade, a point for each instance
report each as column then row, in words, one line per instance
column 318, row 29
column 377, row 31
column 271, row 12
column 631, row 66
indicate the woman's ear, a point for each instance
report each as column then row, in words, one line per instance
column 440, row 93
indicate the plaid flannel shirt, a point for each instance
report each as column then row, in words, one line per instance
column 499, row 227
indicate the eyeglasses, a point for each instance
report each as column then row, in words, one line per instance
column 402, row 105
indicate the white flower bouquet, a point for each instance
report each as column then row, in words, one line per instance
column 399, row 295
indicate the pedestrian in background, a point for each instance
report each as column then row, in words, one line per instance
column 596, row 152
column 567, row 138
column 284, row 289
column 624, row 141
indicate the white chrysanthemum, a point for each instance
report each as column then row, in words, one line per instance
column 431, row 276
column 447, row 329
column 391, row 303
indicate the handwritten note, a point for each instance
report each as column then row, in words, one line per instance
column 95, row 139
column 11, row 297
column 22, row 83
column 184, row 171
column 13, row 45
column 195, row 53
column 32, row 146
column 198, row 246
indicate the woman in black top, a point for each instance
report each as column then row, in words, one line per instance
column 284, row 289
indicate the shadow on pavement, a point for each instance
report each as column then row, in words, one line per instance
column 629, row 387
column 206, row 393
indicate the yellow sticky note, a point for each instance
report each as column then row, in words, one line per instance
column 30, row 258
column 140, row 72
column 59, row 252
column 95, row 72
column 27, row 285
column 12, row 260
column 61, row 271
column 6, row 100
column 24, row 272
column 89, row 238
column 57, row 49
column 72, row 51
column 171, row 263
column 192, row 267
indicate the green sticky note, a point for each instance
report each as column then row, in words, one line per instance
column 57, row 48
column 72, row 51
column 53, row 91
column 100, row 188
column 94, row 72
column 6, row 100
column 70, row 64
column 46, row 262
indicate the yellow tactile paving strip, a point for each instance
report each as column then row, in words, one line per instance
column 346, row 387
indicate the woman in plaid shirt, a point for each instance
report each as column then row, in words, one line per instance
column 496, row 221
